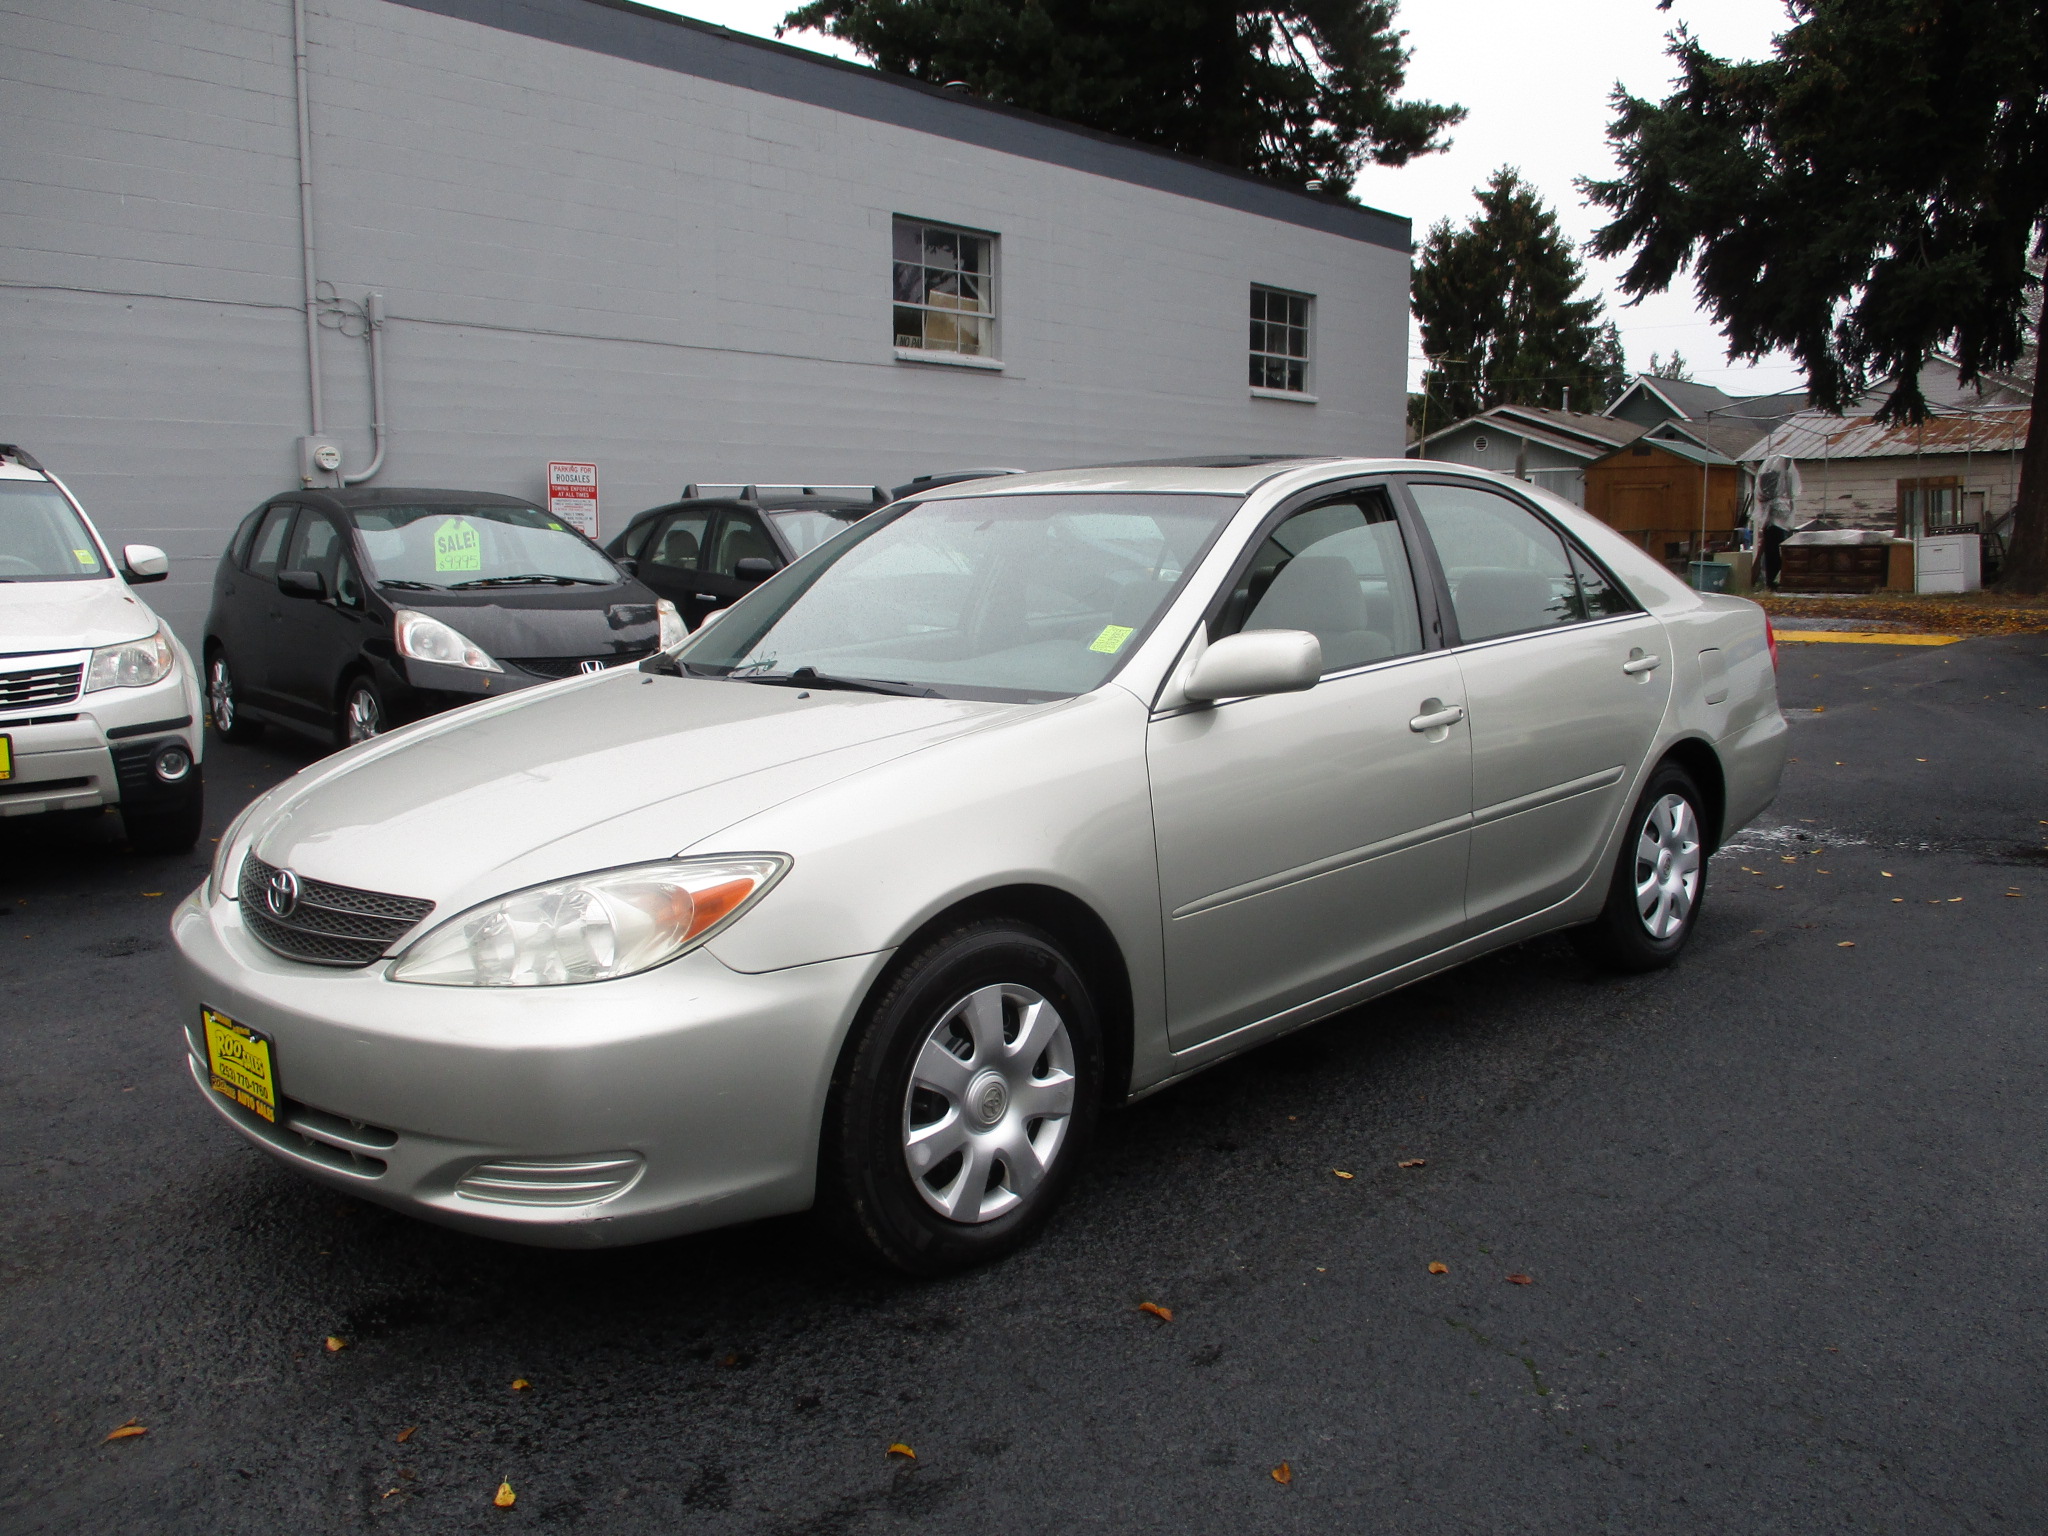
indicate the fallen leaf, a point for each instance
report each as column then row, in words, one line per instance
column 1846, row 944
column 2015, row 895
column 1411, row 1162
column 389, row 1492
column 1342, row 1174
column 336, row 1345
column 900, row 1449
column 1164, row 1314
column 1439, row 1267
column 1886, row 873
column 504, row 1497
column 152, row 893
column 1284, row 1473
column 521, row 1384
column 732, row 1359
column 1820, row 709
column 1520, row 1280
column 1788, row 858
column 1748, row 871
column 1777, row 887
column 1955, row 898
column 1897, row 900
column 407, row 1433
column 128, row 1431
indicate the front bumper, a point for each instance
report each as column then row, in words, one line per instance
column 683, row 1098
column 96, row 749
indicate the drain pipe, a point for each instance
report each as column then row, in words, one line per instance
column 306, row 218
column 373, row 332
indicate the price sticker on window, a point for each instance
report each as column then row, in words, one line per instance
column 458, row 546
column 1112, row 639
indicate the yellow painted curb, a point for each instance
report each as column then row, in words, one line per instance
column 1863, row 637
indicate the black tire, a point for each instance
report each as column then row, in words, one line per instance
column 866, row 1190
column 363, row 714
column 223, row 703
column 172, row 827
column 1624, row 937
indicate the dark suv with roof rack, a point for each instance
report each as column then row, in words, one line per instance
column 346, row 612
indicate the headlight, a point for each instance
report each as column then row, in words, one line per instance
column 425, row 639
column 592, row 928
column 134, row 665
column 673, row 630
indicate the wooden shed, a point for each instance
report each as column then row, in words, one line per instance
column 1653, row 491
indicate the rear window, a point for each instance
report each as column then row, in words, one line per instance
column 42, row 537
column 451, row 547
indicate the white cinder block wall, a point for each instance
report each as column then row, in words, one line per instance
column 603, row 234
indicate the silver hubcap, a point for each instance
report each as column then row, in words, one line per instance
column 364, row 718
column 987, row 1108
column 220, row 695
column 1668, row 866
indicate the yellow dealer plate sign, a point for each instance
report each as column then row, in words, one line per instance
column 238, row 1060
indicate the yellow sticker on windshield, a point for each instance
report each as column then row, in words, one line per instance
column 1112, row 639
column 86, row 557
column 457, row 547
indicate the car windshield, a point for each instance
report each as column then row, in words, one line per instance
column 42, row 538
column 452, row 546
column 806, row 528
column 1007, row 597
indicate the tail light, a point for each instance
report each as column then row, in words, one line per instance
column 1771, row 639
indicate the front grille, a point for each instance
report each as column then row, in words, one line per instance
column 569, row 666
column 41, row 786
column 552, row 1181
column 332, row 924
column 40, row 685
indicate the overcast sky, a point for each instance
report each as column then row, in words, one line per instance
column 1535, row 79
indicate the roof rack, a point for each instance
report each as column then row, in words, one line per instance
column 693, row 491
column 20, row 456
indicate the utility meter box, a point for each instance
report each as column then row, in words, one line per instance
column 319, row 461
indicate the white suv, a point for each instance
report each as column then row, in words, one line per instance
column 99, row 703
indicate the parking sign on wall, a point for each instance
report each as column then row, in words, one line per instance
column 572, row 495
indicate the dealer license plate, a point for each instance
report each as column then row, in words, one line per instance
column 238, row 1060
column 6, row 757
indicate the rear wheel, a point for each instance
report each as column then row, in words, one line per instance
column 364, row 716
column 223, row 703
column 1660, row 879
column 965, row 1102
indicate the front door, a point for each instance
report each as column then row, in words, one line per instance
column 318, row 637
column 671, row 562
column 740, row 535
column 1310, row 840
column 1565, row 684
column 255, row 639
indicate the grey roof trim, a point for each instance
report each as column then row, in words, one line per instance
column 1510, row 423
column 625, row 30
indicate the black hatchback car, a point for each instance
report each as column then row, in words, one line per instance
column 704, row 551
column 346, row 612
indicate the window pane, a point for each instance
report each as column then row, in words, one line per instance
column 678, row 544
column 315, row 547
column 1339, row 571
column 1297, row 311
column 974, row 294
column 41, row 538
column 909, row 241
column 1507, row 570
column 269, row 542
column 742, row 538
column 909, row 284
column 1598, row 597
column 1296, row 378
column 909, row 327
column 942, row 288
column 941, row 249
column 1297, row 343
column 974, row 253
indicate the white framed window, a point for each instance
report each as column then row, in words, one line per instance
column 1281, row 333
column 944, row 292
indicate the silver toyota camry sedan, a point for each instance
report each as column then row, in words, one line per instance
column 1015, row 800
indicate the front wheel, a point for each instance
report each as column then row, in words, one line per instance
column 1660, row 879
column 363, row 716
column 964, row 1103
column 223, row 703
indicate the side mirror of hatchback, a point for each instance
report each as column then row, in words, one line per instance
column 1258, row 661
column 143, row 563
column 754, row 569
column 301, row 584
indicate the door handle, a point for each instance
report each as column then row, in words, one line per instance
column 1636, row 664
column 1437, row 719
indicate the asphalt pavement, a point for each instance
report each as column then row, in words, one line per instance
column 1780, row 1211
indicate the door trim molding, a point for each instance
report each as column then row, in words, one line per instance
column 1537, row 799
column 1330, row 864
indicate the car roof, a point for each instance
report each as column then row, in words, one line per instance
column 357, row 499
column 1218, row 475
column 837, row 506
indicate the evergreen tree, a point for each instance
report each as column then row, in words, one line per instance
column 1869, row 193
column 1502, row 319
column 1299, row 90
column 1674, row 367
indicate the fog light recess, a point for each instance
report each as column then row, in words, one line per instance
column 173, row 763
column 553, row 1180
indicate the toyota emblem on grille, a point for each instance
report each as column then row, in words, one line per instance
column 592, row 666
column 281, row 896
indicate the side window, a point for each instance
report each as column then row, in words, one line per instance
column 348, row 583
column 316, row 546
column 741, row 537
column 680, row 543
column 1507, row 569
column 634, row 544
column 1599, row 598
column 240, row 545
column 1338, row 569
column 269, row 541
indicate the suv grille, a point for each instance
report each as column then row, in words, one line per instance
column 332, row 924
column 569, row 666
column 40, row 685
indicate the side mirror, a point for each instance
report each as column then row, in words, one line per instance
column 142, row 563
column 1258, row 661
column 301, row 584
column 754, row 570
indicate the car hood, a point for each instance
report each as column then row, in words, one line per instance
column 69, row 615
column 618, row 768
column 517, row 622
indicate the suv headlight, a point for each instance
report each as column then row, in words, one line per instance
column 595, row 927
column 134, row 665
column 428, row 639
column 673, row 630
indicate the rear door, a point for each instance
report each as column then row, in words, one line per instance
column 1565, row 683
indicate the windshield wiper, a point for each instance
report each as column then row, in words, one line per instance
column 528, row 581
column 403, row 585
column 811, row 677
